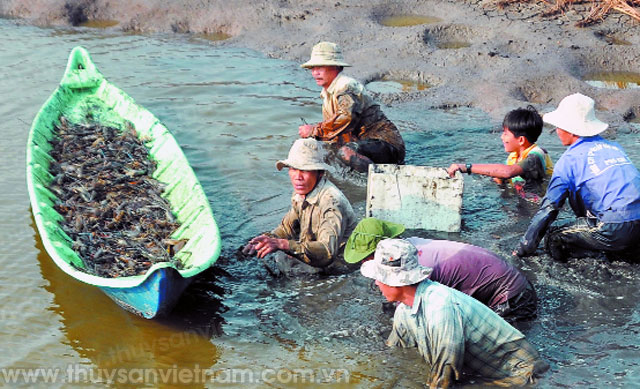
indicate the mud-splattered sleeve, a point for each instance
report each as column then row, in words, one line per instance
column 328, row 229
column 289, row 227
column 339, row 122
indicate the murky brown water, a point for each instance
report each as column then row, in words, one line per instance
column 235, row 113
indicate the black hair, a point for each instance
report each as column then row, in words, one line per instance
column 525, row 122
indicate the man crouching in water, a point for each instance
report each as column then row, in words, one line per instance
column 351, row 120
column 454, row 332
column 311, row 237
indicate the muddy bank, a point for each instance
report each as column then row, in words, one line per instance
column 473, row 53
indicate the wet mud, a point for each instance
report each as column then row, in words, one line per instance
column 483, row 53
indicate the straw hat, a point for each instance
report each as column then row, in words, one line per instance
column 305, row 154
column 366, row 235
column 576, row 114
column 395, row 263
column 325, row 54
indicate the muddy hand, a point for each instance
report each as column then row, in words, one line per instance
column 265, row 245
column 249, row 249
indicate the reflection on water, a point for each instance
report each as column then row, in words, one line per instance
column 613, row 80
column 408, row 20
column 99, row 23
column 111, row 338
column 214, row 36
column 452, row 45
column 611, row 39
column 235, row 113
column 389, row 85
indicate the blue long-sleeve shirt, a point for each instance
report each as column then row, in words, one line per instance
column 600, row 181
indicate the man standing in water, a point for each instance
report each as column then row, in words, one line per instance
column 351, row 120
column 311, row 237
column 601, row 183
column 454, row 332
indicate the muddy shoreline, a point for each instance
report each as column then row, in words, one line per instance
column 513, row 56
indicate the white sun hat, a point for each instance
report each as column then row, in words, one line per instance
column 305, row 154
column 325, row 54
column 576, row 114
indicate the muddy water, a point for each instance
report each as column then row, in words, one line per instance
column 235, row 112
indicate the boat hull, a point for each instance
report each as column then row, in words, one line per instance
column 153, row 298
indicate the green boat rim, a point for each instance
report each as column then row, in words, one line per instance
column 83, row 91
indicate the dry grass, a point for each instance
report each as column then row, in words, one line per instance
column 599, row 8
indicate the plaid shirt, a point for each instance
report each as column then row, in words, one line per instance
column 452, row 330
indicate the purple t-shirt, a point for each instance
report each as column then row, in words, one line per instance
column 470, row 269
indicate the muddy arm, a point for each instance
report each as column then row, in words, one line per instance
column 336, row 125
column 537, row 228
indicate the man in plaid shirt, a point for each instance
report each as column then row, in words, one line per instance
column 454, row 333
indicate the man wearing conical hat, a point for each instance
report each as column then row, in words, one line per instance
column 311, row 237
column 600, row 182
column 351, row 120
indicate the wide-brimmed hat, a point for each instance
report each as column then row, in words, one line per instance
column 365, row 238
column 576, row 114
column 305, row 154
column 395, row 263
column 325, row 54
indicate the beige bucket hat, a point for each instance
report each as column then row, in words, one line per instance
column 305, row 154
column 395, row 263
column 325, row 54
column 576, row 114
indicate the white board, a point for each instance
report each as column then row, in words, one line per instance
column 416, row 196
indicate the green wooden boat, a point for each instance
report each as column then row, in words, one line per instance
column 83, row 92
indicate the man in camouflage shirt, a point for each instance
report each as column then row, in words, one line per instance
column 312, row 235
column 352, row 121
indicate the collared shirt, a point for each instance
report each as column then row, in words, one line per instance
column 350, row 114
column 470, row 269
column 453, row 330
column 318, row 225
column 599, row 179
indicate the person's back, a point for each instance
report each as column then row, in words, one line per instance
column 478, row 273
column 604, row 180
column 601, row 183
column 455, row 331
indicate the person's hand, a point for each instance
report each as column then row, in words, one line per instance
column 305, row 130
column 453, row 168
column 249, row 249
column 263, row 245
column 519, row 252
